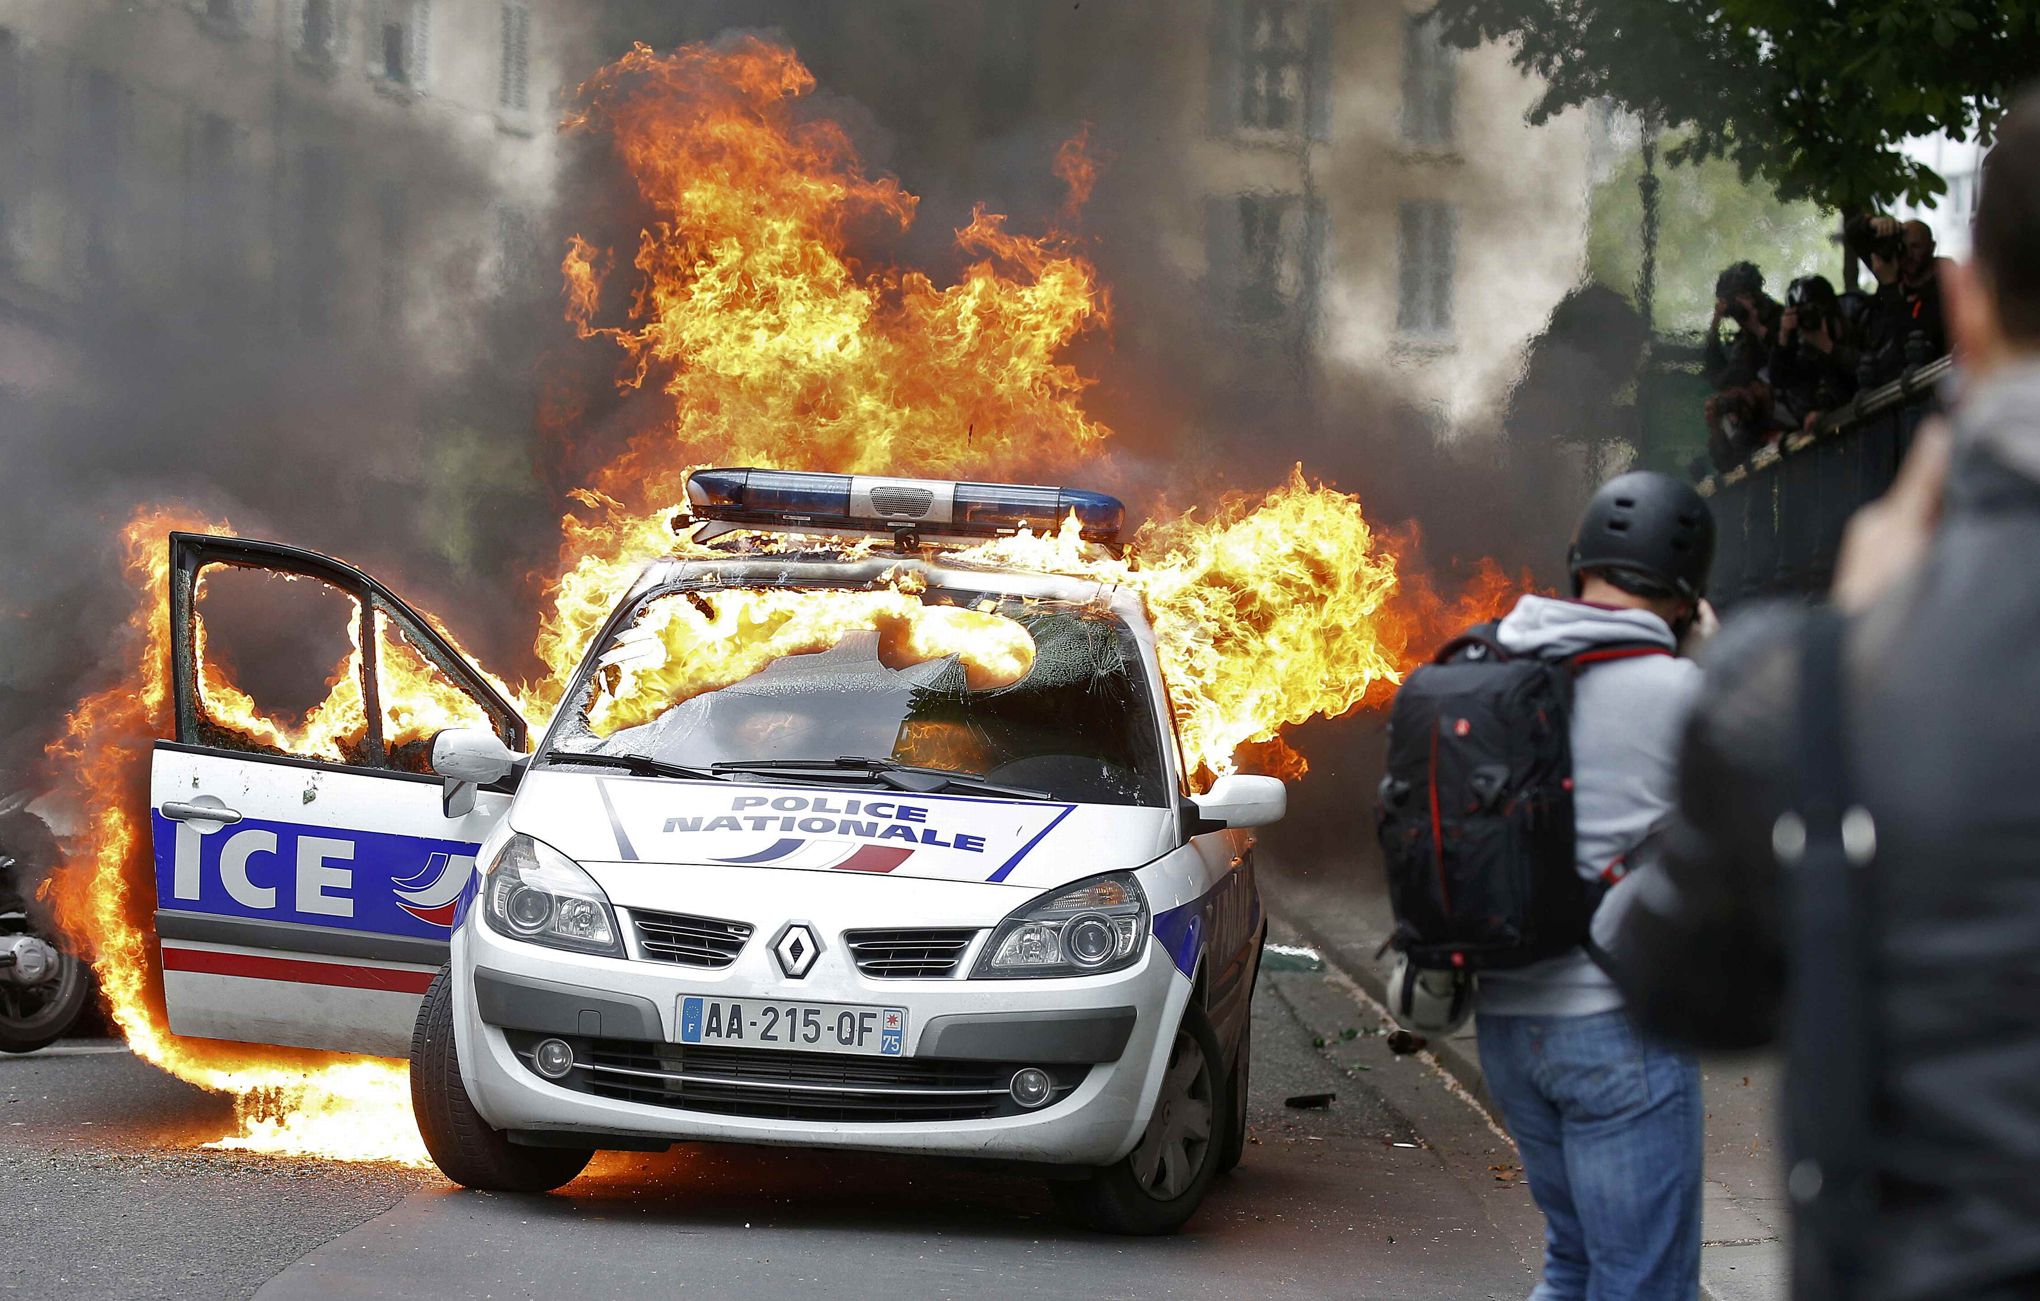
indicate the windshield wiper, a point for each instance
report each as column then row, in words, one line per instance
column 642, row 765
column 899, row 776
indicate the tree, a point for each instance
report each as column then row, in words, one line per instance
column 1815, row 95
column 1709, row 218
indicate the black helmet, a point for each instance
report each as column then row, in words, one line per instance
column 1811, row 291
column 1649, row 533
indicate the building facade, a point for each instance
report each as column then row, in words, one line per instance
column 1379, row 195
column 325, row 166
column 1349, row 201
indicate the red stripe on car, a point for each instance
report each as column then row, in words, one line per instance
column 252, row 966
column 875, row 858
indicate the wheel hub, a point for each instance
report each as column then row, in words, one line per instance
column 1177, row 1144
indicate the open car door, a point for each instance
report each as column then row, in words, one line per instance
column 308, row 879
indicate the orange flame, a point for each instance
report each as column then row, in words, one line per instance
column 682, row 647
column 287, row 1101
column 774, row 347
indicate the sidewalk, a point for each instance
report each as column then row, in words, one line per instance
column 1344, row 913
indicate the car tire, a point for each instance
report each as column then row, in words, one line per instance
column 466, row 1148
column 1235, row 1145
column 1155, row 1188
column 36, row 1018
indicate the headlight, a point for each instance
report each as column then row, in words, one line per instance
column 1080, row 930
column 536, row 893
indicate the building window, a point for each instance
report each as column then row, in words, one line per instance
column 1007, row 62
column 517, row 249
column 514, row 82
column 405, row 38
column 1271, row 67
column 218, row 196
column 319, row 30
column 1425, row 247
column 1430, row 84
column 319, row 256
column 1269, row 267
column 230, row 17
column 14, row 154
column 393, row 216
column 97, row 165
column 1263, row 251
column 1274, row 64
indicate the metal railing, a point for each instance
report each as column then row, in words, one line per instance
column 1781, row 513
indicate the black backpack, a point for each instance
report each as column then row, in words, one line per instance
column 1476, row 813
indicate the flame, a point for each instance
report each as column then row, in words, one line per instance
column 775, row 346
column 685, row 646
column 286, row 1101
column 332, row 729
column 772, row 346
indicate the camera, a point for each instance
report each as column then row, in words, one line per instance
column 1860, row 234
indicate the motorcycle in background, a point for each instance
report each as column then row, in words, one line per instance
column 43, row 988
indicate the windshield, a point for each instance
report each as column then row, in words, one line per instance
column 1045, row 697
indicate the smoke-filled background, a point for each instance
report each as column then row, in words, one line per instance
column 296, row 262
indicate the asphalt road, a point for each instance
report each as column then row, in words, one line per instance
column 1398, row 1189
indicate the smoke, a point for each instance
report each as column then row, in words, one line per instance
column 433, row 442
column 326, row 331
column 1203, row 385
column 1206, row 387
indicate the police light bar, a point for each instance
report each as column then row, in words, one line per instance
column 799, row 501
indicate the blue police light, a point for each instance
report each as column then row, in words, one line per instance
column 800, row 501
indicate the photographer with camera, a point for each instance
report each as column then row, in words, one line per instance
column 1907, row 299
column 1740, row 416
column 1739, row 296
column 1813, row 369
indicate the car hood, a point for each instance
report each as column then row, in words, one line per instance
column 1032, row 843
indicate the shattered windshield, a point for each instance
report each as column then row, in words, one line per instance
column 1042, row 696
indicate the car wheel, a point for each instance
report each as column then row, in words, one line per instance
column 1156, row 1187
column 37, row 1016
column 1235, row 1145
column 466, row 1148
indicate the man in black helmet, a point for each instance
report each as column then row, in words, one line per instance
column 1609, row 1122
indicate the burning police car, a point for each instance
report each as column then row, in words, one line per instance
column 868, row 847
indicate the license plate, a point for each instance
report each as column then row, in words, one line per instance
column 858, row 1028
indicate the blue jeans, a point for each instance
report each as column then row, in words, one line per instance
column 1609, row 1125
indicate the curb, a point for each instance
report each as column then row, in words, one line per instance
column 1457, row 1057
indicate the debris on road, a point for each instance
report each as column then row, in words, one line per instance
column 1309, row 1101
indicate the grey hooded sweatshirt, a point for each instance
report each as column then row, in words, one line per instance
column 1628, row 718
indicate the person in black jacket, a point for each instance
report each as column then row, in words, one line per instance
column 1912, row 1031
column 1740, row 416
column 1813, row 369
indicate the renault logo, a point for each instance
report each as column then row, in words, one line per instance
column 796, row 948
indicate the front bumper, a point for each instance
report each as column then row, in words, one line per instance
column 1103, row 1038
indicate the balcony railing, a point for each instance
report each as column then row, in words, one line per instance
column 1781, row 514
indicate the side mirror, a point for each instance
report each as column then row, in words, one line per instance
column 1237, row 800
column 469, row 758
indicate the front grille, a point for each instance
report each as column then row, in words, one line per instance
column 794, row 1086
column 690, row 941
column 908, row 955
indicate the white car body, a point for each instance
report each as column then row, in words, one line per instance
column 309, row 903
